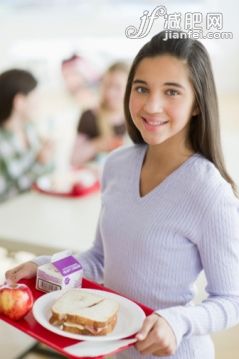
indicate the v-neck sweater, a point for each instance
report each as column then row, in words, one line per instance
column 152, row 248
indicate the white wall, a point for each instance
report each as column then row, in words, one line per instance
column 52, row 31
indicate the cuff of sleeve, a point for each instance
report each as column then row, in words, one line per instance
column 87, row 272
column 173, row 317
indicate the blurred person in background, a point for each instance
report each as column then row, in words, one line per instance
column 102, row 128
column 23, row 155
column 77, row 92
column 80, row 80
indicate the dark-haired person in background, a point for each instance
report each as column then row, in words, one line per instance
column 102, row 128
column 23, row 156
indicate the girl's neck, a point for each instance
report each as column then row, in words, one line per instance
column 111, row 110
column 113, row 116
column 14, row 123
column 166, row 156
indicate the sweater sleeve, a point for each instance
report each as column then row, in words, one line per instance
column 92, row 260
column 218, row 247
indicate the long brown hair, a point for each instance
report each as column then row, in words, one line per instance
column 118, row 66
column 204, row 130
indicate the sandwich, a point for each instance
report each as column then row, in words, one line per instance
column 82, row 312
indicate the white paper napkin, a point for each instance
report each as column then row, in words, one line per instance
column 92, row 349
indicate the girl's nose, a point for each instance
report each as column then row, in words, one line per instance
column 153, row 103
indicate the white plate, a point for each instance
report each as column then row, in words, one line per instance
column 64, row 183
column 130, row 316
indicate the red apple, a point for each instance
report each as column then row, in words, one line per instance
column 15, row 301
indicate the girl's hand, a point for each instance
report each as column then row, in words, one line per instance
column 156, row 337
column 25, row 270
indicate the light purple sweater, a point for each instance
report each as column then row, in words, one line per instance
column 153, row 248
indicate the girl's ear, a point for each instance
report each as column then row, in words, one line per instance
column 196, row 110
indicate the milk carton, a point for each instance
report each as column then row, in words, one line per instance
column 64, row 271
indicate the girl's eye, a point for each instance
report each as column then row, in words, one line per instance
column 140, row 89
column 172, row 92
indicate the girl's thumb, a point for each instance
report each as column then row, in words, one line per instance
column 144, row 331
column 14, row 275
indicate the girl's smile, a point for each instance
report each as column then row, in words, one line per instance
column 153, row 124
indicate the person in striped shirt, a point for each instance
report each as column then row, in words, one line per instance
column 23, row 156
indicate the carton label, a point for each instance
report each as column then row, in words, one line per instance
column 47, row 286
column 67, row 265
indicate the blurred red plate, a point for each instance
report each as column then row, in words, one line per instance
column 76, row 183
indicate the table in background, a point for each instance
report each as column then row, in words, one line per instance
column 43, row 224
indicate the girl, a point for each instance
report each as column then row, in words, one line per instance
column 80, row 79
column 23, row 157
column 168, row 207
column 102, row 129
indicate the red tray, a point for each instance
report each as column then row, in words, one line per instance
column 29, row 325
